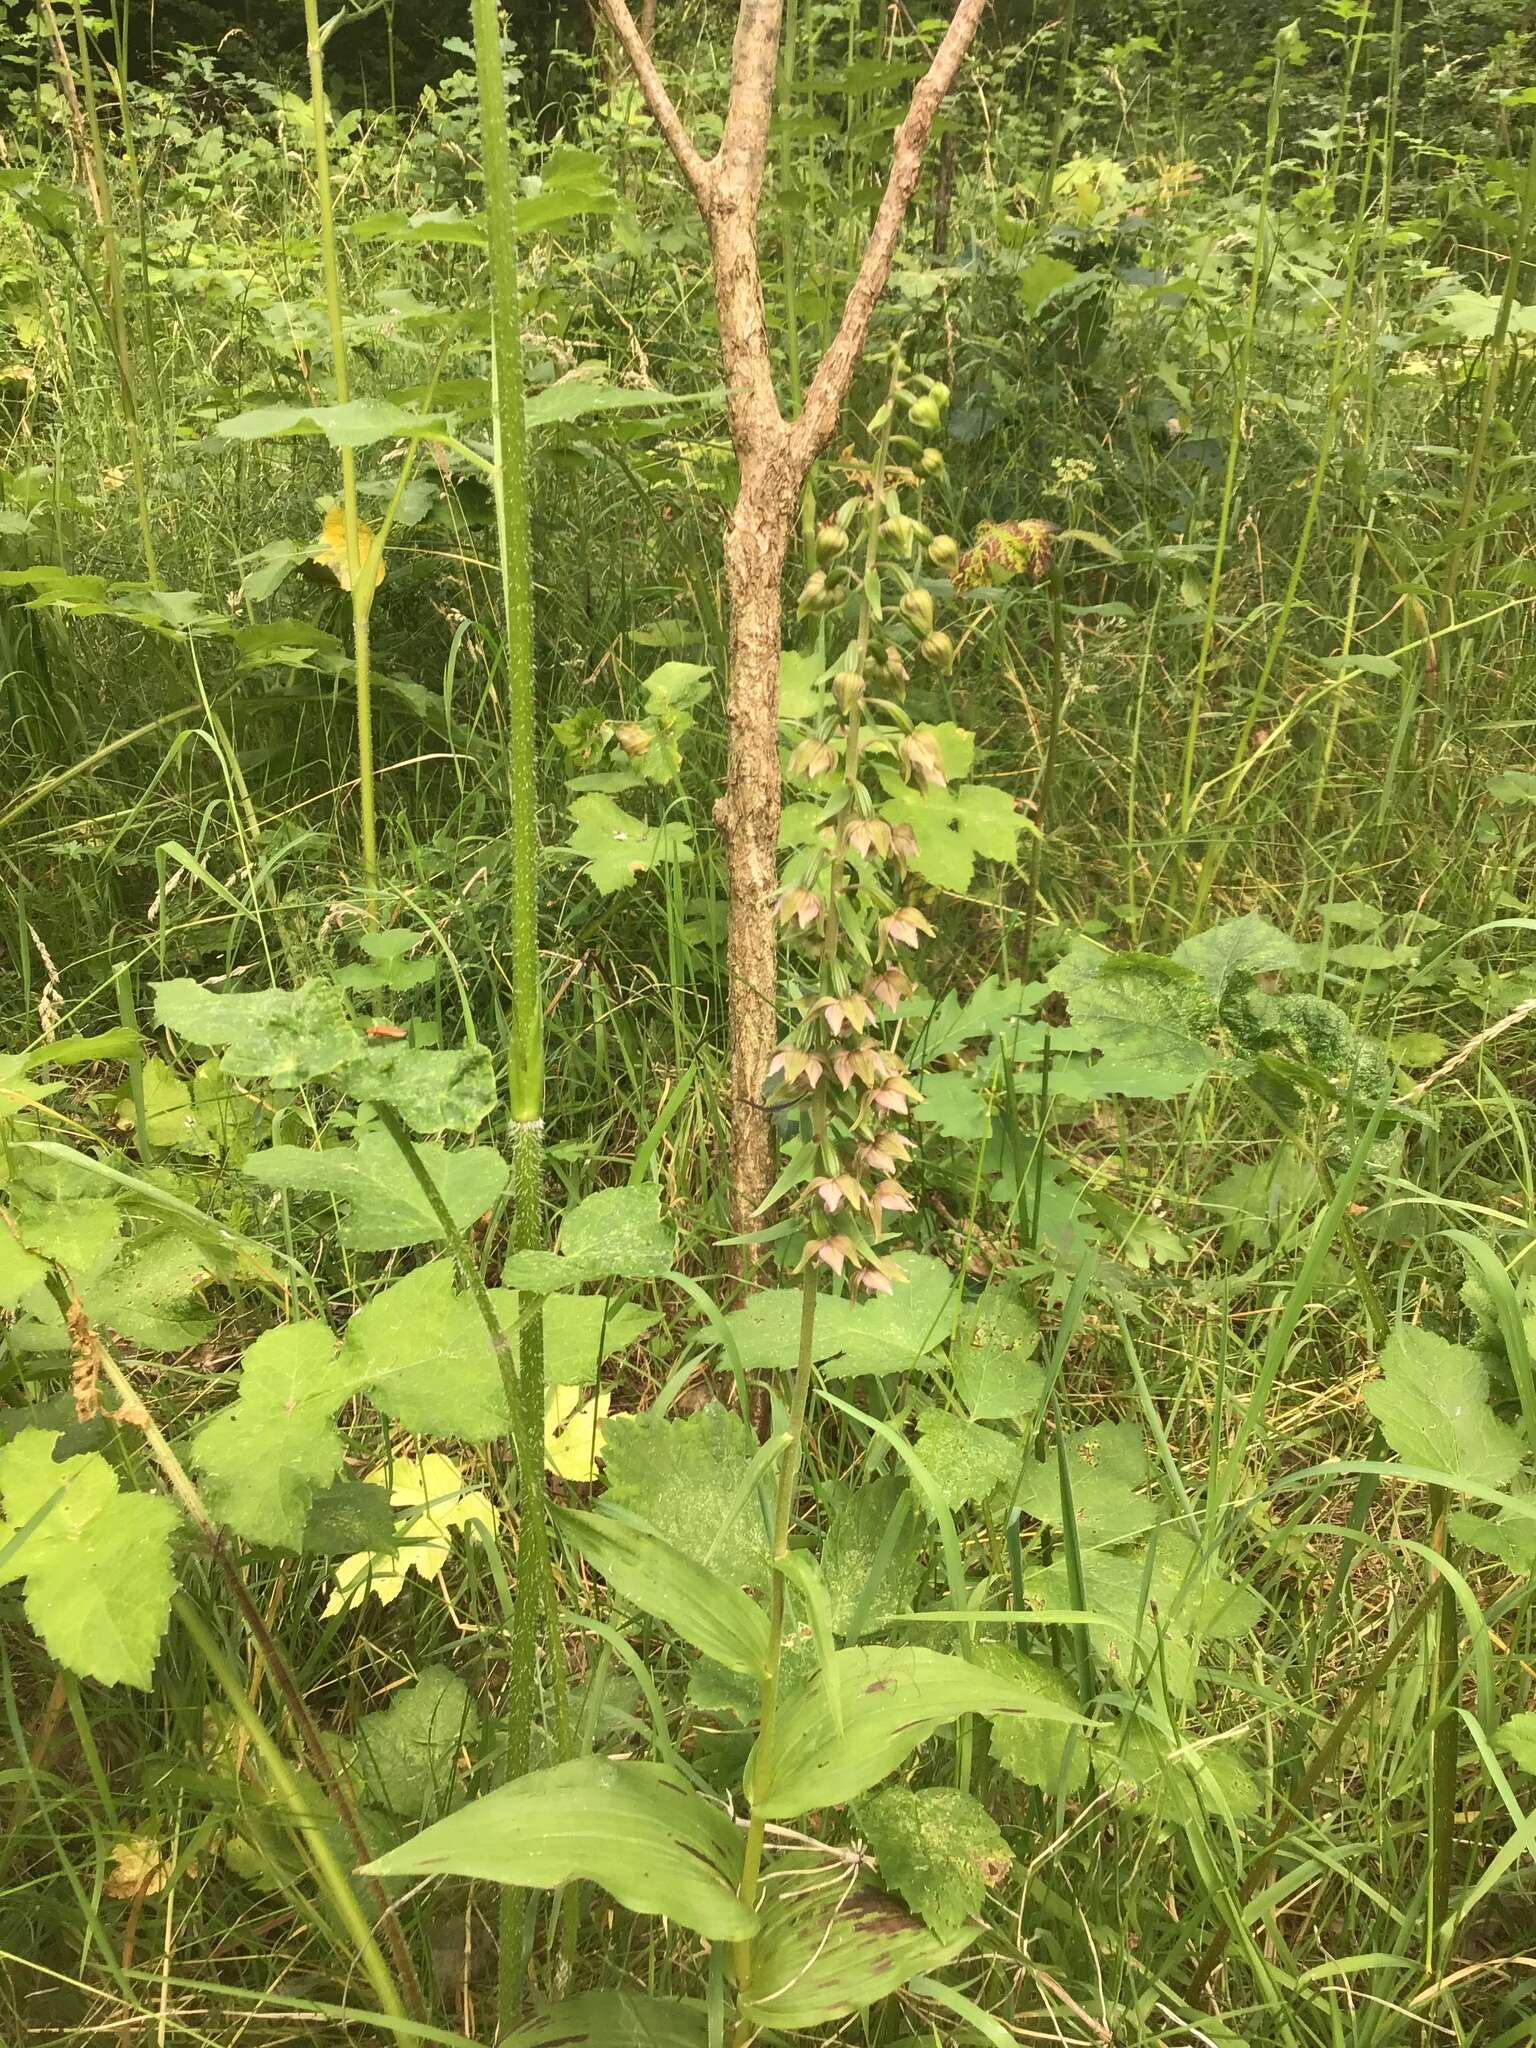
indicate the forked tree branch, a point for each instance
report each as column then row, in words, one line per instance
column 743, row 156
column 829, row 387
column 694, row 167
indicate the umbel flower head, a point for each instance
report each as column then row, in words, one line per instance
column 1005, row 550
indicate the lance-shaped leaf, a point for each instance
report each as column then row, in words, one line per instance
column 285, row 1036
column 705, row 1609
column 615, row 2019
column 825, row 1952
column 639, row 1830
column 892, row 1699
column 266, row 1456
column 97, row 1562
column 383, row 1208
column 1432, row 1404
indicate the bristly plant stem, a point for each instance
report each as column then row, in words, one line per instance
column 362, row 562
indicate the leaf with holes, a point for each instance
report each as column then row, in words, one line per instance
column 432, row 1091
column 938, row 1848
column 1149, row 1018
column 965, row 1460
column 382, row 1207
column 285, row 1036
column 639, row 1830
column 992, row 1359
column 1105, row 1467
column 96, row 1562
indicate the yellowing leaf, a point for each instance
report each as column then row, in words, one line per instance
column 573, row 1433
column 434, row 1487
column 141, row 1866
column 331, row 548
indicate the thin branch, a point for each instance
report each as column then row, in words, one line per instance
column 834, row 373
column 659, row 100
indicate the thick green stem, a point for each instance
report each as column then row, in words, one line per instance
column 362, row 561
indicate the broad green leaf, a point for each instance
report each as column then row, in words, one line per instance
column 407, row 1755
column 682, row 1477
column 149, row 1292
column 954, row 1104
column 965, row 1460
column 1135, row 1633
column 578, row 397
column 171, row 1119
column 637, row 1829
column 825, row 1951
column 1039, row 1753
column 1510, row 1536
column 581, row 1330
column 79, row 1233
column 615, row 2019
column 892, row 1699
column 347, row 1517
column 618, row 1232
column 1150, row 1018
column 956, row 827
column 870, row 1560
column 938, row 1848
column 1042, row 277
column 1182, row 1782
column 20, row 1270
column 884, row 1335
column 615, row 847
column 432, row 1091
column 383, row 1208
column 285, row 1036
column 1432, row 1404
column 705, row 1609
column 1240, row 946
column 992, row 1359
column 264, row 1458
column 946, row 1027
column 1106, row 1465
column 1517, row 1738
column 97, row 1562
column 356, row 424
column 422, row 1354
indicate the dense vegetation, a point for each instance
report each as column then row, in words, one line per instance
column 1060, row 1567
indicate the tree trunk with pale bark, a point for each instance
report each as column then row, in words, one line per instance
column 773, row 458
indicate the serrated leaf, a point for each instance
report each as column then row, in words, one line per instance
column 892, row 1699
column 870, row 1562
column 407, row 1755
column 1150, row 1019
column 435, row 1500
column 682, row 1477
column 285, row 1036
column 615, row 847
column 97, row 1562
column 1133, row 1632
column 1040, row 1753
column 1517, row 1738
column 433, row 1091
column 1240, row 946
column 1106, row 1466
column 615, row 2019
column 704, row 1608
column 1432, row 1404
column 956, row 827
column 20, row 1270
column 992, row 1359
column 383, row 1209
column 581, row 1330
column 149, row 1292
column 78, row 1233
column 938, row 1848
column 639, row 1830
column 965, row 1460
column 422, row 1354
column 884, row 1335
column 617, row 1232
column 348, row 1517
column 1183, row 1782
column 265, row 1458
column 955, row 1106
column 825, row 1951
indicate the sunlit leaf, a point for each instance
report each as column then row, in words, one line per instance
column 436, row 1501
column 265, row 1457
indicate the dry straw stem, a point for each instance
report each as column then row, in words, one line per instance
column 773, row 456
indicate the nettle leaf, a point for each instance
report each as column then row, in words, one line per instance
column 615, row 2019
column 432, row 1091
column 992, row 1359
column 389, row 963
column 1133, row 1633
column 891, row 1700
column 1106, row 1465
column 705, row 1609
column 956, row 827
column 1150, row 1019
column 348, row 1517
column 1040, row 1753
column 683, row 1478
column 264, row 1459
column 383, row 1208
column 618, row 1232
column 355, row 424
column 965, row 1460
column 78, row 1233
column 948, row 1026
column 870, row 1559
column 938, row 1848
column 1432, row 1404
column 1510, row 1535
column 825, row 1951
column 407, row 1756
column 884, row 1335
column 285, row 1036
column 615, row 847
column 581, row 1330
column 421, row 1353
column 639, row 1830
column 96, row 1562
column 1239, row 947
